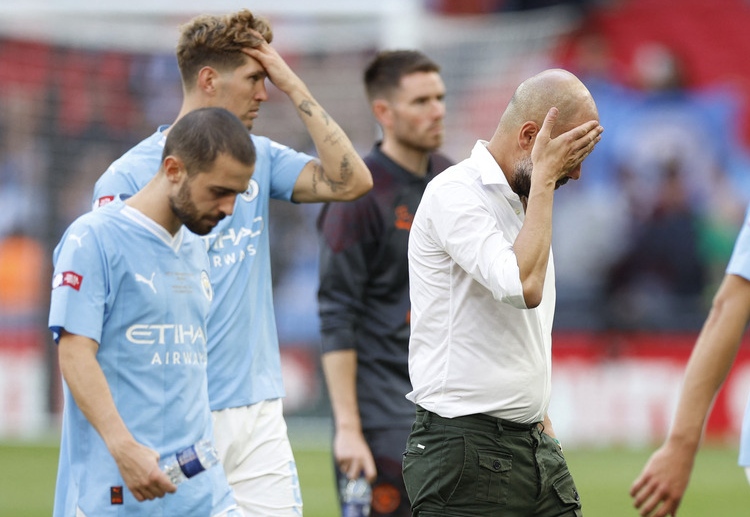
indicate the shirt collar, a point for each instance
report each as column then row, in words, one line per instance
column 395, row 169
column 490, row 171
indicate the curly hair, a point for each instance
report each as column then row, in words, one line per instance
column 217, row 41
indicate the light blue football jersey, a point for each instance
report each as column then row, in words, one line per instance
column 244, row 363
column 739, row 264
column 144, row 295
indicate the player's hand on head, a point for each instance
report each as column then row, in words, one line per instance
column 279, row 72
column 558, row 156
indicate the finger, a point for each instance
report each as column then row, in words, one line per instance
column 586, row 150
column 166, row 486
column 159, row 483
column 354, row 470
column 253, row 52
column 549, row 122
column 257, row 35
column 371, row 472
column 657, row 505
column 586, row 135
column 637, row 485
column 643, row 494
column 152, row 491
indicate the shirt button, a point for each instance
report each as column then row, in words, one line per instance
column 496, row 465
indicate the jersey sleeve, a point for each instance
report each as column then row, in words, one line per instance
column 111, row 184
column 346, row 231
column 286, row 166
column 79, row 284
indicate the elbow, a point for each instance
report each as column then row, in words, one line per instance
column 532, row 293
column 362, row 186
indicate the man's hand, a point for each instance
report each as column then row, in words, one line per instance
column 279, row 72
column 561, row 155
column 139, row 467
column 353, row 456
column 658, row 491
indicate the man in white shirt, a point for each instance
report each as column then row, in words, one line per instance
column 483, row 297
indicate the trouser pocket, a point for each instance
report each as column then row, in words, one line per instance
column 493, row 476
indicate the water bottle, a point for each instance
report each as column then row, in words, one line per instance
column 189, row 461
column 356, row 495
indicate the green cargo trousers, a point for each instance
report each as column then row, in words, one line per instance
column 481, row 466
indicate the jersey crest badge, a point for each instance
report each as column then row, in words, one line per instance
column 208, row 290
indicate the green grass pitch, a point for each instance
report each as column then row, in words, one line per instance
column 718, row 487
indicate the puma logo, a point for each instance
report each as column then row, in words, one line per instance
column 77, row 238
column 148, row 281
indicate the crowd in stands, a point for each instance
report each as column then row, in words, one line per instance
column 640, row 241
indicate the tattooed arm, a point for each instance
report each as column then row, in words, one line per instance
column 339, row 174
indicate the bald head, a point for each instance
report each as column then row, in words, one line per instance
column 536, row 95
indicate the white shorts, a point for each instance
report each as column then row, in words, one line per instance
column 254, row 448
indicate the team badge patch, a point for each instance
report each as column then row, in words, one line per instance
column 252, row 191
column 206, row 285
column 68, row 278
column 103, row 201
column 115, row 495
column 385, row 498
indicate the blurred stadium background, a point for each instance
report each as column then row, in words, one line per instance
column 640, row 242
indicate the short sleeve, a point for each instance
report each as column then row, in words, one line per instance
column 79, row 284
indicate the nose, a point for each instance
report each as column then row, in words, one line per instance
column 438, row 109
column 226, row 205
column 575, row 173
column 261, row 94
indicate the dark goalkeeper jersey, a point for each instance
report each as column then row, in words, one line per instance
column 364, row 286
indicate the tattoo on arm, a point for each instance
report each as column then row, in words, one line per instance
column 306, row 107
column 317, row 170
column 319, row 174
column 333, row 137
column 346, row 169
column 326, row 118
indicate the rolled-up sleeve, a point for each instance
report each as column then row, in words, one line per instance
column 469, row 233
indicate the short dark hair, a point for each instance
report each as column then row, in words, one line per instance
column 201, row 135
column 385, row 71
column 217, row 41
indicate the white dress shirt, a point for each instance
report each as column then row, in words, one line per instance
column 475, row 347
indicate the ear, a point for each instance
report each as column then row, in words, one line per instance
column 527, row 135
column 381, row 109
column 207, row 80
column 174, row 169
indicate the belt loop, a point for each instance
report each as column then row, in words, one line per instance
column 426, row 418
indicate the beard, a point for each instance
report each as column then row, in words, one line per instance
column 186, row 211
column 521, row 181
column 422, row 142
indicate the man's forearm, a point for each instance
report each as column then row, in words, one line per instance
column 340, row 170
column 340, row 370
column 89, row 388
